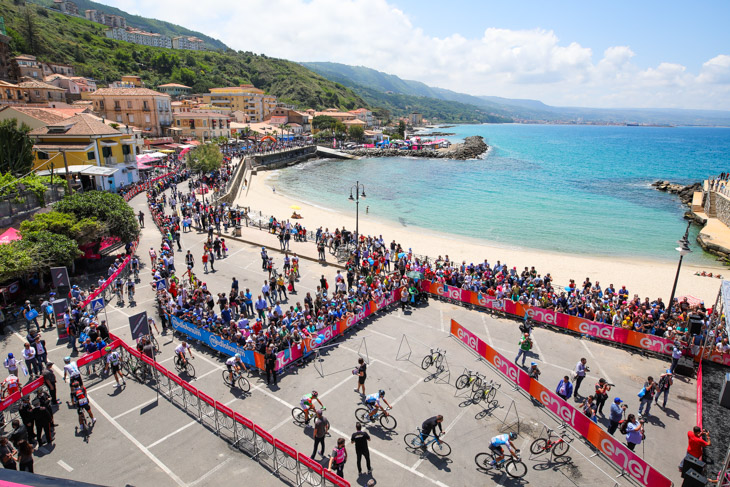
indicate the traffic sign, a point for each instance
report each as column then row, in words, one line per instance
column 161, row 284
column 97, row 304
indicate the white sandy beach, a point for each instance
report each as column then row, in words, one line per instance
column 645, row 277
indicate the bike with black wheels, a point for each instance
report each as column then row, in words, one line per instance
column 300, row 418
column 470, row 378
column 238, row 380
column 514, row 466
column 136, row 368
column 387, row 421
column 487, row 392
column 186, row 367
column 438, row 446
column 558, row 444
column 435, row 357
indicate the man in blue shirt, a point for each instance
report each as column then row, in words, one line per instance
column 565, row 388
column 616, row 415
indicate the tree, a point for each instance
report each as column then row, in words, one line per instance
column 205, row 158
column 356, row 132
column 30, row 31
column 36, row 252
column 83, row 231
column 109, row 209
column 323, row 122
column 402, row 129
column 16, row 148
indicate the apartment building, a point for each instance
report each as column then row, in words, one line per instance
column 141, row 107
column 185, row 42
column 365, row 115
column 27, row 66
column 106, row 19
column 200, row 125
column 40, row 92
column 66, row 7
column 252, row 101
column 174, row 89
column 137, row 36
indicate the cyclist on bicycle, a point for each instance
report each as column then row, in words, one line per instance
column 373, row 403
column 10, row 385
column 180, row 352
column 135, row 266
column 236, row 363
column 119, row 288
column 495, row 445
column 307, row 403
column 114, row 361
column 82, row 403
column 429, row 426
column 130, row 289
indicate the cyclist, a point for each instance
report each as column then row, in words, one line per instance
column 153, row 256
column 135, row 267
column 82, row 403
column 130, row 289
column 10, row 385
column 114, row 361
column 119, row 288
column 72, row 370
column 180, row 352
column 495, row 445
column 307, row 403
column 373, row 403
column 429, row 426
column 236, row 363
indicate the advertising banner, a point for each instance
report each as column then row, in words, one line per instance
column 213, row 341
column 614, row 450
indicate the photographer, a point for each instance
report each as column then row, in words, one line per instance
column 697, row 440
column 634, row 431
column 646, row 395
column 601, row 395
column 616, row 415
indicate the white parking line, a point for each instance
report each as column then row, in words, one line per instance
column 135, row 408
column 382, row 334
column 182, row 428
column 486, row 329
column 406, row 392
column 207, row 373
column 101, row 386
column 343, row 381
column 65, row 466
column 446, row 430
column 211, row 472
column 605, row 375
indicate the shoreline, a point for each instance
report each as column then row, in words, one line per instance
column 641, row 275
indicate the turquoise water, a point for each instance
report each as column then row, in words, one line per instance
column 570, row 189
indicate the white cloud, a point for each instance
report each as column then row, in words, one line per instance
column 512, row 63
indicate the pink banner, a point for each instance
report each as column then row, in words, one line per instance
column 32, row 386
column 699, row 396
column 614, row 450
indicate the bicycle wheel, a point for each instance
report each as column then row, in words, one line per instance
column 298, row 415
column 491, row 394
column 561, row 448
column 483, row 460
column 178, row 365
column 413, row 440
column 226, row 378
column 243, row 384
column 462, row 381
column 516, row 469
column 362, row 415
column 388, row 422
column 477, row 384
column 190, row 370
column 477, row 396
column 439, row 361
column 441, row 449
column 538, row 446
column 427, row 361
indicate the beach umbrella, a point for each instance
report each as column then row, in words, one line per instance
column 402, row 254
column 10, row 235
column 295, row 207
column 415, row 275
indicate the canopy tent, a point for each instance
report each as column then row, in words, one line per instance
column 146, row 158
column 167, row 151
column 156, row 155
column 72, row 169
column 143, row 167
column 185, row 151
column 9, row 235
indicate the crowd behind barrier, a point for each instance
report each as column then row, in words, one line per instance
column 235, row 428
column 551, row 317
column 15, row 397
column 615, row 451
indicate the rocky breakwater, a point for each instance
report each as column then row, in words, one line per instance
column 472, row 148
column 684, row 192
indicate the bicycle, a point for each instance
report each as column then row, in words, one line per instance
column 187, row 367
column 473, row 378
column 238, row 380
column 387, row 421
column 299, row 417
column 434, row 357
column 559, row 447
column 486, row 392
column 440, row 448
column 136, row 369
column 514, row 466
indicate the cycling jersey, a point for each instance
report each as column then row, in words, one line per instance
column 12, row 384
column 500, row 440
column 72, row 369
column 181, row 348
column 307, row 399
column 81, row 398
column 232, row 361
column 113, row 358
column 373, row 399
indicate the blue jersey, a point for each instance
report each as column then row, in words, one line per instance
column 373, row 399
column 500, row 440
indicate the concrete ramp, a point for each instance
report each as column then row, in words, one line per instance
column 327, row 152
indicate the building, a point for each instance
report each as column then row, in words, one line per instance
column 37, row 117
column 137, row 36
column 200, row 125
column 128, row 81
column 28, row 66
column 355, row 123
column 66, row 7
column 106, row 19
column 99, row 154
column 11, row 94
column 57, row 68
column 365, row 115
column 141, row 107
column 293, row 117
column 334, row 113
column 40, row 92
column 191, row 43
column 174, row 89
column 415, row 119
column 252, row 101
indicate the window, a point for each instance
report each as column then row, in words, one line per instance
column 42, row 155
column 91, row 155
column 119, row 118
column 101, row 104
column 144, row 105
column 131, row 118
column 106, row 151
column 129, row 104
column 37, row 93
column 147, row 118
column 117, row 104
column 178, row 122
column 125, row 149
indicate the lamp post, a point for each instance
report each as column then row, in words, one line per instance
column 359, row 188
column 683, row 250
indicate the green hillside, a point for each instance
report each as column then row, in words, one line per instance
column 150, row 25
column 61, row 38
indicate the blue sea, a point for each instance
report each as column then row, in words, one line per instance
column 565, row 188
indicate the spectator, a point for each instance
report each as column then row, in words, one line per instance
column 25, row 456
column 634, row 431
column 8, row 454
column 50, row 380
column 589, row 408
column 321, row 427
column 697, row 440
column 361, row 439
column 665, row 382
column 43, row 419
column 270, row 363
column 565, row 388
column 26, row 416
column 616, row 415
column 601, row 395
column 534, row 372
column 30, row 362
column 20, row 432
column 580, row 374
column 525, row 346
column 646, row 395
column 338, row 457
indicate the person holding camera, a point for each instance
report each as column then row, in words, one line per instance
column 646, row 395
column 634, row 431
column 616, row 415
column 525, row 346
column 601, row 395
column 697, row 440
column 579, row 374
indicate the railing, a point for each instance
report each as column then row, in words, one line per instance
column 9, row 406
column 240, row 432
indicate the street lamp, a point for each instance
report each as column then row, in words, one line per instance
column 683, row 250
column 359, row 192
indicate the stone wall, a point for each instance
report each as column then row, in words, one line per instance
column 283, row 158
column 722, row 207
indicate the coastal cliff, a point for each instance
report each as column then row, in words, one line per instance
column 472, row 148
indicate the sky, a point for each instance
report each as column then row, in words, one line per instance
column 619, row 54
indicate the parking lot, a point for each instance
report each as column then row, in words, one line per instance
column 139, row 440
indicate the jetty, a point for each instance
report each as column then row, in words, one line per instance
column 333, row 154
column 711, row 208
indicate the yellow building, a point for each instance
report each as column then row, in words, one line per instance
column 252, row 101
column 140, row 107
column 200, row 125
column 95, row 152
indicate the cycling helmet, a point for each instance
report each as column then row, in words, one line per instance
column 238, row 356
column 314, row 393
column 67, row 359
column 513, row 436
column 10, row 355
column 381, row 392
column 108, row 349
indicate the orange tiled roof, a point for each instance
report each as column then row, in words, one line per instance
column 81, row 124
column 127, row 92
column 47, row 115
column 39, row 85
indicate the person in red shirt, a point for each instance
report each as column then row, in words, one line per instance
column 698, row 439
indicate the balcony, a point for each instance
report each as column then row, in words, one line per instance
column 117, row 109
column 145, row 109
column 130, row 158
column 111, row 160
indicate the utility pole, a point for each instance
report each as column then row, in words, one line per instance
column 68, row 175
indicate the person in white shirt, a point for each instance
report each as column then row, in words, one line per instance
column 30, row 362
column 11, row 363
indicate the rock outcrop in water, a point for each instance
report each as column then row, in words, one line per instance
column 472, row 148
column 684, row 192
